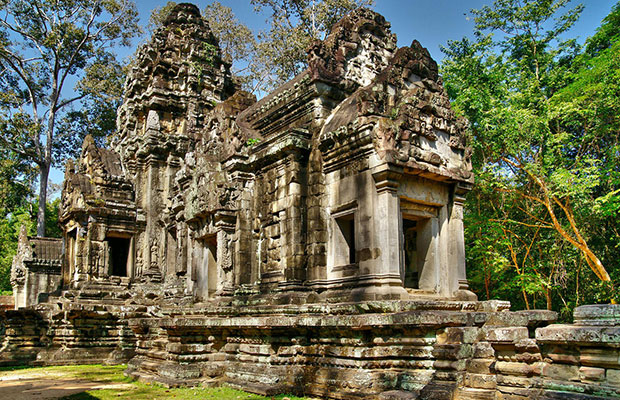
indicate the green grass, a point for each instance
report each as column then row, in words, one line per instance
column 143, row 391
column 129, row 389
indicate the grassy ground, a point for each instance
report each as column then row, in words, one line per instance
column 128, row 389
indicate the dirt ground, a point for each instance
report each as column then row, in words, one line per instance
column 33, row 384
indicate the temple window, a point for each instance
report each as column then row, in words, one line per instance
column 343, row 239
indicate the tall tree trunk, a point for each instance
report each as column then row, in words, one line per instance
column 548, row 297
column 47, row 162
column 487, row 282
column 43, row 178
column 527, row 303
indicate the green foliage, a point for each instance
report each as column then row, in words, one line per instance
column 293, row 25
column 544, row 130
column 209, row 53
column 16, row 177
column 235, row 39
column 43, row 45
column 252, row 142
column 10, row 225
column 159, row 15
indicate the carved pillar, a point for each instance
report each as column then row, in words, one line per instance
column 153, row 202
column 153, row 210
column 245, row 265
column 388, row 221
column 182, row 245
column 293, row 222
column 225, row 222
column 457, row 243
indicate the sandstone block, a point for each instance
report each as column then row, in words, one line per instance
column 483, row 350
column 480, row 365
column 599, row 357
column 505, row 334
column 480, row 381
column 561, row 372
column 591, row 374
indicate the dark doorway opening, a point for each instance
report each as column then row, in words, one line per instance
column 119, row 253
column 410, row 233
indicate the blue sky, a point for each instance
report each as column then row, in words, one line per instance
column 432, row 23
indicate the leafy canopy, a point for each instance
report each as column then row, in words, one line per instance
column 541, row 167
column 45, row 47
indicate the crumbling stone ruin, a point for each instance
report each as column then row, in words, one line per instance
column 36, row 269
column 310, row 242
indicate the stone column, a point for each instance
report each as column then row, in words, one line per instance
column 153, row 202
column 388, row 220
column 388, row 237
column 456, row 254
column 447, row 272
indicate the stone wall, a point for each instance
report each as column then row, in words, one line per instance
column 35, row 271
column 385, row 350
column 309, row 242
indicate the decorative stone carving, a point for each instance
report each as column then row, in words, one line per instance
column 310, row 242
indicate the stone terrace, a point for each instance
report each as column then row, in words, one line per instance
column 309, row 242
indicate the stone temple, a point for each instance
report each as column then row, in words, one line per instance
column 311, row 242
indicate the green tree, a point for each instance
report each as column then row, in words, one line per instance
column 293, row 25
column 586, row 110
column 158, row 16
column 9, row 233
column 45, row 45
column 536, row 179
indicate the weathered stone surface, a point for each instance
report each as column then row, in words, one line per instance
column 597, row 314
column 35, row 271
column 310, row 242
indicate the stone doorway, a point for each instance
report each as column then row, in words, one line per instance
column 410, row 249
column 119, row 255
column 206, row 267
column 419, row 255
